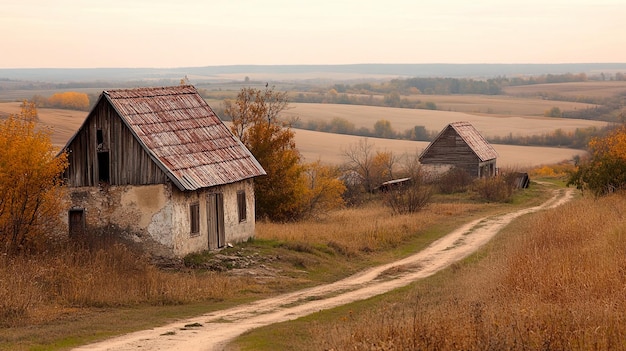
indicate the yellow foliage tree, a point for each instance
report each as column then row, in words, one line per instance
column 324, row 189
column 605, row 169
column 69, row 100
column 30, row 182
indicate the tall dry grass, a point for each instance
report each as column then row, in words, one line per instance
column 369, row 228
column 556, row 281
column 40, row 286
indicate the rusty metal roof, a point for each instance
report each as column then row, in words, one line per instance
column 472, row 138
column 184, row 136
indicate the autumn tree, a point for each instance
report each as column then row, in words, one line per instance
column 604, row 171
column 256, row 122
column 324, row 189
column 382, row 129
column 30, row 172
column 291, row 189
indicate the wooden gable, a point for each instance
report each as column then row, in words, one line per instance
column 104, row 150
column 459, row 144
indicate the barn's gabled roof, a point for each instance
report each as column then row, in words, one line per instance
column 184, row 136
column 471, row 137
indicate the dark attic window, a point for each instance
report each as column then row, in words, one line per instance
column 99, row 137
column 103, row 167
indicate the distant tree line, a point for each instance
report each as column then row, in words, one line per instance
column 577, row 139
column 403, row 93
column 449, row 86
column 391, row 99
column 381, row 129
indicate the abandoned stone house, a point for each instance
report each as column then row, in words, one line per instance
column 460, row 145
column 157, row 167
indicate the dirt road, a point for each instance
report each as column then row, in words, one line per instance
column 214, row 330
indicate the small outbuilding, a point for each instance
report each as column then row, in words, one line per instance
column 460, row 145
column 158, row 168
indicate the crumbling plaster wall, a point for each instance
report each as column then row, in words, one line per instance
column 139, row 214
column 157, row 217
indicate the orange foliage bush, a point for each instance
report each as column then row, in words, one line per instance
column 605, row 170
column 69, row 100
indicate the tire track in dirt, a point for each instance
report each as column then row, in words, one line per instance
column 212, row 331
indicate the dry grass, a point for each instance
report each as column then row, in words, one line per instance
column 557, row 281
column 353, row 231
column 35, row 289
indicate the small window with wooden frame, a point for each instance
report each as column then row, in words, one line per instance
column 241, row 206
column 194, row 218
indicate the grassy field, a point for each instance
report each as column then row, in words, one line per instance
column 69, row 297
column 551, row 281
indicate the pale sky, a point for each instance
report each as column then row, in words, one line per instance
column 183, row 33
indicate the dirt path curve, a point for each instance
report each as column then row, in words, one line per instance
column 212, row 331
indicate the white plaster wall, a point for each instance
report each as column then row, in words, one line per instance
column 183, row 241
column 234, row 230
column 239, row 231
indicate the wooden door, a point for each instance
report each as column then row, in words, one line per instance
column 215, row 220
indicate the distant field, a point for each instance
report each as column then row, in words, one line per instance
column 402, row 119
column 64, row 123
column 595, row 89
column 329, row 147
column 498, row 104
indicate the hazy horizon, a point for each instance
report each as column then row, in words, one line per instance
column 198, row 33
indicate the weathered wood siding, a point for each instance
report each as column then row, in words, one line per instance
column 451, row 149
column 128, row 162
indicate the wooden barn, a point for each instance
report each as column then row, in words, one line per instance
column 460, row 145
column 157, row 167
